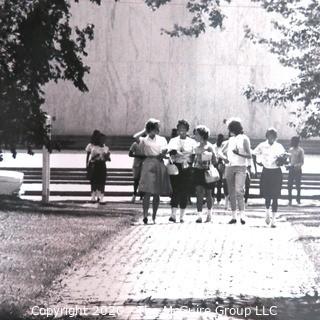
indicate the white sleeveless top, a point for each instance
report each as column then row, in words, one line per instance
column 236, row 143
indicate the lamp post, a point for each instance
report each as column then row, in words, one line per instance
column 46, row 165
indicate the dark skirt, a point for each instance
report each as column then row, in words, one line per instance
column 198, row 179
column 271, row 183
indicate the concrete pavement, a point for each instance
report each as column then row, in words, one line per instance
column 146, row 270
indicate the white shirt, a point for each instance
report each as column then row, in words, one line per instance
column 219, row 150
column 97, row 152
column 267, row 154
column 185, row 146
column 153, row 147
column 237, row 143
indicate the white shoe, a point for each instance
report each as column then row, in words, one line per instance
column 209, row 216
column 267, row 219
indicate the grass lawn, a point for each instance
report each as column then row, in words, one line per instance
column 38, row 242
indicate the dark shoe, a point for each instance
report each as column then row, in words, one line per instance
column 298, row 202
column 199, row 220
column 242, row 221
column 181, row 221
column 172, row 219
column 232, row 221
column 154, row 218
column 145, row 220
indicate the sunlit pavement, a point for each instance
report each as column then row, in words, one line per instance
column 119, row 159
column 151, row 266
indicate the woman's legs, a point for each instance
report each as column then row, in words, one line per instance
column 200, row 194
column 240, row 180
column 230, row 178
column 209, row 204
column 155, row 206
column 174, row 197
column 146, row 205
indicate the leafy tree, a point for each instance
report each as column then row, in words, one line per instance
column 37, row 45
column 205, row 13
column 296, row 45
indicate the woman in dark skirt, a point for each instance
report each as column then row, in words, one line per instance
column 267, row 154
column 97, row 155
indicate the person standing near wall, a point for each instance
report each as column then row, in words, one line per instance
column 204, row 157
column 136, row 153
column 181, row 152
column 296, row 158
column 97, row 155
column 221, row 166
column 238, row 153
column 267, row 154
column 154, row 179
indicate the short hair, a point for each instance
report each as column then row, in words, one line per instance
column 183, row 123
column 295, row 141
column 150, row 126
column 235, row 127
column 96, row 137
column 272, row 132
column 174, row 133
column 220, row 139
column 203, row 131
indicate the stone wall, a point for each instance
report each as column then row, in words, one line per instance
column 137, row 73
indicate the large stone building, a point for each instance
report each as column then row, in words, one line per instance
column 137, row 73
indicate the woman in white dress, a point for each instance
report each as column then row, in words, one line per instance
column 154, row 180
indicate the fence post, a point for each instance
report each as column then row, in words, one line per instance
column 46, row 166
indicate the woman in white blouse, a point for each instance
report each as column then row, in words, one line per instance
column 267, row 154
column 181, row 151
column 238, row 152
column 154, row 179
column 97, row 155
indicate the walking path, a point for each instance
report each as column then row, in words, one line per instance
column 148, row 267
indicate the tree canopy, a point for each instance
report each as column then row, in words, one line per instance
column 296, row 44
column 37, row 45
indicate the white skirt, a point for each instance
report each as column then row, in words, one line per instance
column 154, row 178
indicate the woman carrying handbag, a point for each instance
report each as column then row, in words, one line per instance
column 181, row 154
column 203, row 171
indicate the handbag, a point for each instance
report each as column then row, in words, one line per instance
column 212, row 174
column 172, row 169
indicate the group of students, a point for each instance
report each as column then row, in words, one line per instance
column 193, row 157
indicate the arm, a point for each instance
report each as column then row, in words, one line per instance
column 139, row 134
column 247, row 150
column 301, row 162
column 87, row 159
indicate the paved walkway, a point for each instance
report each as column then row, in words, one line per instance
column 189, row 265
